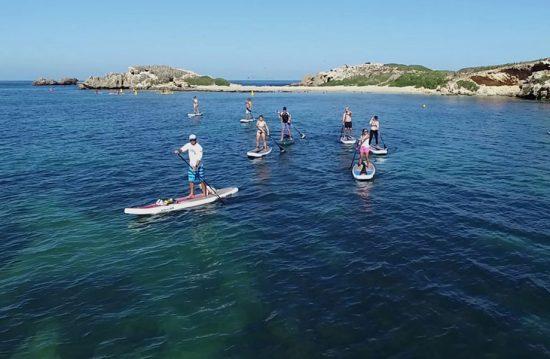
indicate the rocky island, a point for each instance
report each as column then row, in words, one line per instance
column 530, row 80
column 50, row 82
column 152, row 77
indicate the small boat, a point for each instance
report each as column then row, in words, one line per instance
column 178, row 204
column 245, row 120
column 377, row 150
column 348, row 140
column 191, row 115
column 258, row 153
column 362, row 173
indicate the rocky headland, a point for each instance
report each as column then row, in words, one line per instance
column 51, row 82
column 529, row 80
column 153, row 77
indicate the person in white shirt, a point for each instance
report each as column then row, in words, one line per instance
column 195, row 173
column 196, row 105
column 374, row 127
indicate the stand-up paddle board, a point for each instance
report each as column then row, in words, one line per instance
column 259, row 153
column 287, row 141
column 362, row 173
column 191, row 115
column 347, row 140
column 178, row 204
column 247, row 120
column 377, row 150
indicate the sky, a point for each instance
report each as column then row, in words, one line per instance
column 279, row 39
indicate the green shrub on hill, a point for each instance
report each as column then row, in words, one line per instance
column 206, row 81
column 426, row 79
column 468, row 85
column 360, row 81
column 409, row 67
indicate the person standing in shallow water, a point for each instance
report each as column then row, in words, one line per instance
column 374, row 127
column 286, row 121
column 195, row 173
column 346, row 122
column 195, row 105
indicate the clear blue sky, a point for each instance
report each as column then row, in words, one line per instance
column 279, row 39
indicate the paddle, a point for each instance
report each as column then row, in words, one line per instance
column 302, row 136
column 281, row 148
column 202, row 179
column 381, row 140
column 341, row 131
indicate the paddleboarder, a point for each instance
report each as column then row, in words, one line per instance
column 374, row 127
column 346, row 122
column 364, row 148
column 195, row 173
column 195, row 105
column 248, row 110
column 286, row 121
column 262, row 133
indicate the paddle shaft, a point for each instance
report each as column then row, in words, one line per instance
column 202, row 179
column 300, row 132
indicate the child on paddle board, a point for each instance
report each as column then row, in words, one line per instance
column 286, row 120
column 364, row 148
column 248, row 110
column 262, row 133
column 195, row 173
column 346, row 122
column 374, row 126
column 195, row 105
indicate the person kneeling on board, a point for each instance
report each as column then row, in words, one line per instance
column 364, row 150
column 195, row 173
column 262, row 133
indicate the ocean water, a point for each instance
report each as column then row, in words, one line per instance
column 445, row 253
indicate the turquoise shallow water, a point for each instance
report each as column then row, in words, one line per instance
column 445, row 253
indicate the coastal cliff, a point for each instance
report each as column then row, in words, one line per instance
column 151, row 77
column 51, row 82
column 530, row 80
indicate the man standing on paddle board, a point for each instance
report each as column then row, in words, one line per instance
column 248, row 111
column 195, row 173
column 346, row 122
column 195, row 105
column 286, row 120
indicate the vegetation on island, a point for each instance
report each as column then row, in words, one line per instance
column 468, row 85
column 429, row 79
column 360, row 81
column 206, row 81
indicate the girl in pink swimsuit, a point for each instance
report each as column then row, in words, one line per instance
column 364, row 147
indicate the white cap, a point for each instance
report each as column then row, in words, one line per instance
column 192, row 137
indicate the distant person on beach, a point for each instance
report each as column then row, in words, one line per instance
column 346, row 122
column 286, row 121
column 195, row 173
column 248, row 110
column 195, row 105
column 262, row 133
column 374, row 127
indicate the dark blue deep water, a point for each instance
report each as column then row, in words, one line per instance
column 445, row 254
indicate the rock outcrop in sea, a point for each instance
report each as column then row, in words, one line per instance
column 530, row 80
column 51, row 82
column 153, row 77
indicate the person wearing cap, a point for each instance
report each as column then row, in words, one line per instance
column 364, row 148
column 374, row 126
column 195, row 173
column 286, row 120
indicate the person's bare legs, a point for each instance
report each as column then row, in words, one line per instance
column 191, row 190
column 204, row 189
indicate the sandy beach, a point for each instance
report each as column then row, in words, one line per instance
column 321, row 89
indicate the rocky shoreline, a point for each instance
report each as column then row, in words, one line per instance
column 528, row 80
column 67, row 81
